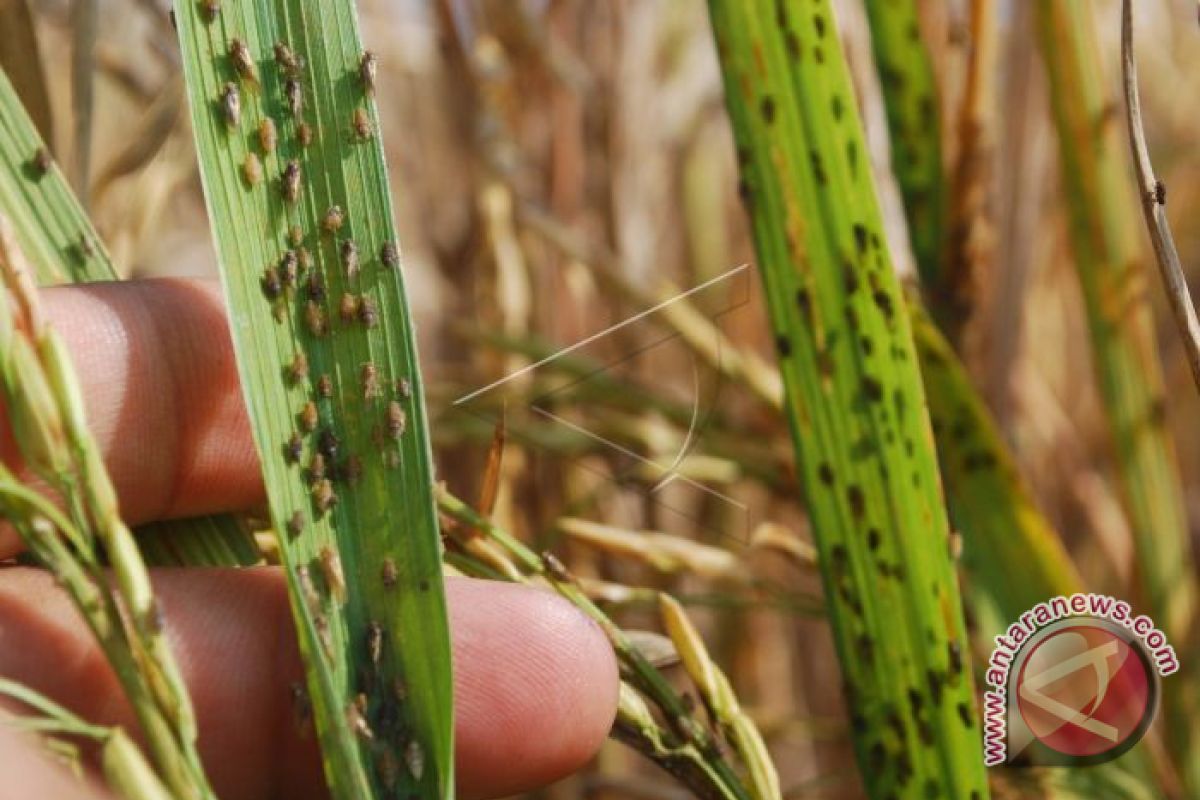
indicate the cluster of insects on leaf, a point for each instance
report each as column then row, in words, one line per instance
column 323, row 281
column 296, row 277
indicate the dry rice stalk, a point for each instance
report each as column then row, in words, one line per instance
column 695, row 759
column 1153, row 195
column 662, row 551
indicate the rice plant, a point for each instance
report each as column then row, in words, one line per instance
column 1111, row 273
column 283, row 113
column 854, row 400
column 910, row 95
column 988, row 501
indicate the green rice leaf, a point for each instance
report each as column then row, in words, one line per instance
column 910, row 98
column 863, row 445
column 294, row 176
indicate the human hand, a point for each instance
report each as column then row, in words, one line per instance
column 535, row 680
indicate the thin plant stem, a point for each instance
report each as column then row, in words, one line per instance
column 1153, row 200
column 634, row 665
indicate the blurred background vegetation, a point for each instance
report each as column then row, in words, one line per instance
column 564, row 165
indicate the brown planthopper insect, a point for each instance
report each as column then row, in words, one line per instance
column 368, row 66
column 554, row 567
column 389, row 573
column 309, row 417
column 243, row 62
column 86, row 248
column 295, row 525
column 41, row 161
column 374, row 642
column 268, row 135
column 357, row 722
column 211, row 9
column 328, row 444
column 324, row 498
column 361, row 123
column 368, row 312
column 295, row 235
column 349, row 253
column 289, row 268
column 298, row 369
column 404, row 388
column 294, row 93
column 414, row 758
column 324, row 634
column 252, row 169
column 348, row 307
column 231, row 105
column 331, row 569
column 316, row 287
column 389, row 256
column 397, row 420
column 307, row 590
column 316, row 468
column 293, row 448
column 369, row 377
column 290, row 181
column 325, row 386
column 271, row 285
column 304, row 134
column 333, row 219
column 289, row 63
column 314, row 319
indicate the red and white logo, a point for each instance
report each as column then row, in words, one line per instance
column 1085, row 690
column 1074, row 681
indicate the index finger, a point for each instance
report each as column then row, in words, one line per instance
column 160, row 383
